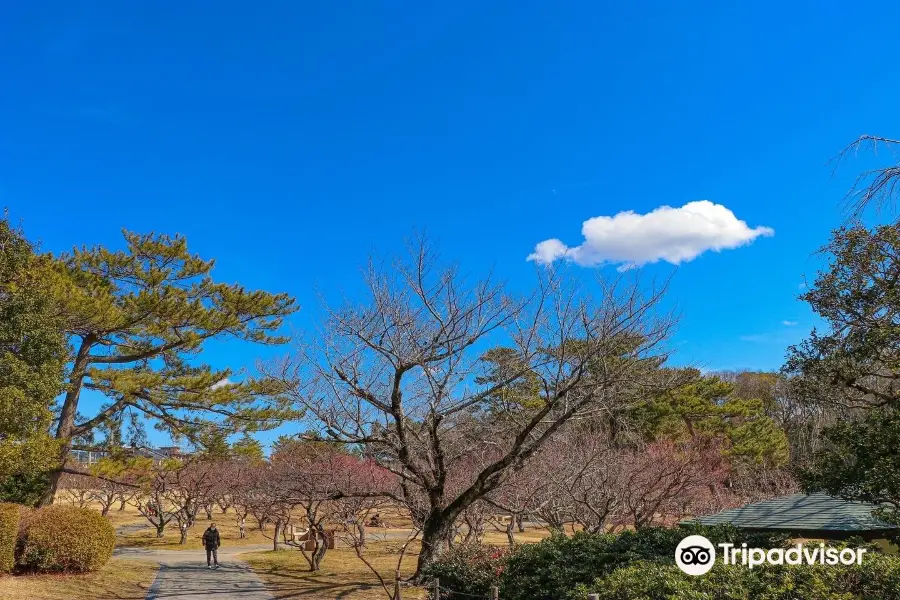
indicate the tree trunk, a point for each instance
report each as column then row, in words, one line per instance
column 184, row 532
column 122, row 504
column 319, row 551
column 275, row 538
column 520, row 522
column 435, row 534
column 510, row 529
column 67, row 417
column 105, row 510
column 160, row 528
column 55, row 477
column 361, row 528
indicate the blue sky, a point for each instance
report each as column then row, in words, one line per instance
column 290, row 139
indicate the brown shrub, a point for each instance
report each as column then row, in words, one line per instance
column 65, row 538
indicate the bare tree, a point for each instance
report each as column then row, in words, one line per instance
column 191, row 486
column 240, row 478
column 873, row 187
column 325, row 485
column 77, row 490
column 116, row 481
column 664, row 481
column 105, row 494
column 400, row 373
column 153, row 500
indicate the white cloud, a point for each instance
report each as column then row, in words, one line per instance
column 674, row 235
column 221, row 384
column 789, row 323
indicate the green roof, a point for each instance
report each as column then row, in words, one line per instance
column 801, row 512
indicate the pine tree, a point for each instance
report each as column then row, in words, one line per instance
column 137, row 320
column 247, row 448
column 708, row 408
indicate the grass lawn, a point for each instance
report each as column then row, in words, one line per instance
column 118, row 580
column 286, row 573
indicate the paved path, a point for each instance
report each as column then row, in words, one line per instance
column 183, row 574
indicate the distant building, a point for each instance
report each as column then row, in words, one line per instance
column 90, row 456
column 815, row 516
column 161, row 453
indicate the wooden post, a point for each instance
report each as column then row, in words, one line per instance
column 397, row 585
column 495, row 592
column 437, row 589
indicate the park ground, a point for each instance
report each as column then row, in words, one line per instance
column 131, row 573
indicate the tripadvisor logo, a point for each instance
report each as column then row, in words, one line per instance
column 696, row 555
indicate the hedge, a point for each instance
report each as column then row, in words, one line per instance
column 468, row 569
column 552, row 567
column 878, row 578
column 9, row 533
column 65, row 538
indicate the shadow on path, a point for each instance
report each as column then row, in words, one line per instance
column 183, row 575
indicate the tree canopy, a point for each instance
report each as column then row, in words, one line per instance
column 708, row 407
column 860, row 462
column 138, row 319
column 854, row 361
column 32, row 356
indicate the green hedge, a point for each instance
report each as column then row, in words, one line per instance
column 65, row 538
column 9, row 533
column 878, row 578
column 550, row 569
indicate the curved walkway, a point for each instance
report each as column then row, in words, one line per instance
column 183, row 574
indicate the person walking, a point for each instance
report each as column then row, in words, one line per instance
column 212, row 541
column 243, row 526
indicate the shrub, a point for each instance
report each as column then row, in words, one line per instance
column 552, row 567
column 9, row 533
column 470, row 569
column 24, row 488
column 65, row 538
column 878, row 578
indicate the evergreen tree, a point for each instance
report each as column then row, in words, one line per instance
column 214, row 444
column 138, row 318
column 860, row 462
column 248, row 448
column 853, row 365
column 853, row 361
column 32, row 357
column 708, row 407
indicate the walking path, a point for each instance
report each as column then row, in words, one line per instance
column 183, row 574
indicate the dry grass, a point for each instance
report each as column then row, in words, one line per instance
column 343, row 575
column 225, row 523
column 129, row 516
column 529, row 536
column 118, row 580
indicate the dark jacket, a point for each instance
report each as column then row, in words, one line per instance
column 211, row 538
